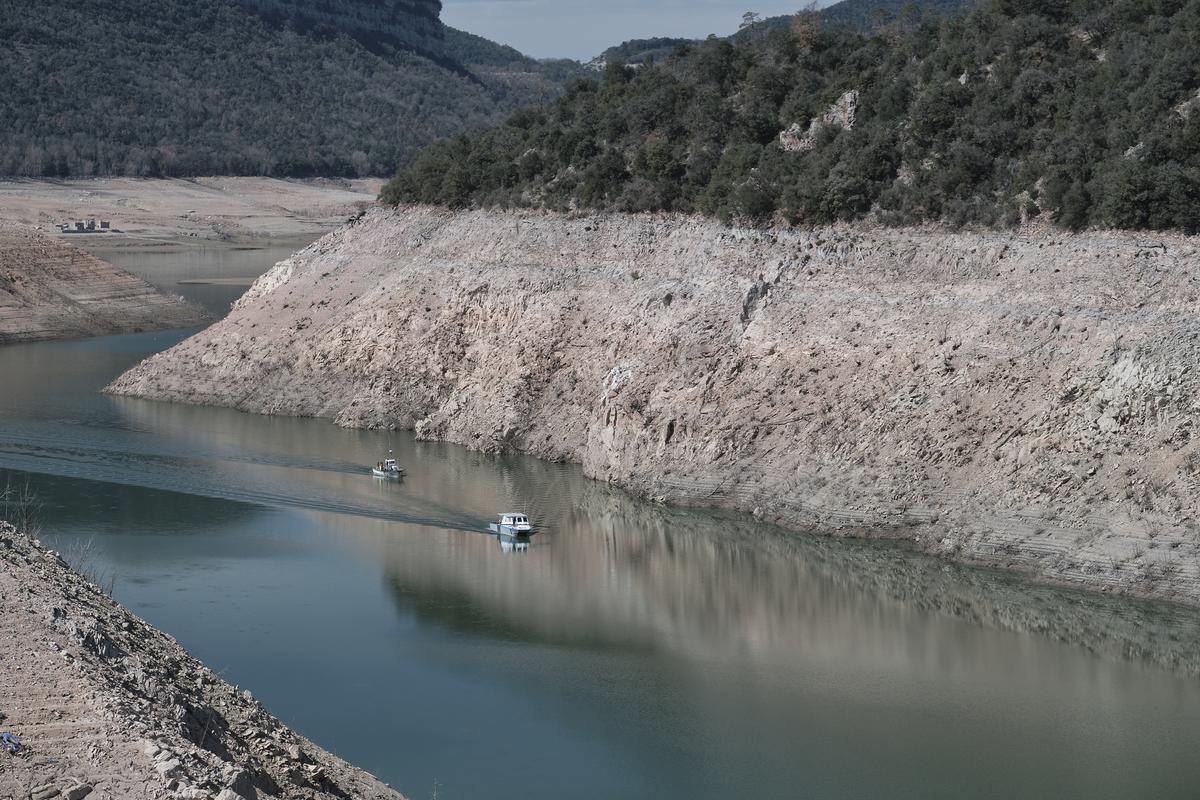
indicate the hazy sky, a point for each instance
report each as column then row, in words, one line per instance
column 584, row 28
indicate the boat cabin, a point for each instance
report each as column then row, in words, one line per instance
column 516, row 522
column 389, row 468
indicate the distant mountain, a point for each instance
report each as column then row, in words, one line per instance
column 270, row 87
column 640, row 51
column 860, row 14
column 864, row 15
column 503, row 63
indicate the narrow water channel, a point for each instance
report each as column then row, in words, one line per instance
column 632, row 652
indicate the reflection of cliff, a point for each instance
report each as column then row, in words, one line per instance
column 626, row 574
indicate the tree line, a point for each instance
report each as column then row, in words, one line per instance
column 1083, row 112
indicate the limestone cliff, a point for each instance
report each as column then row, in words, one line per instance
column 51, row 291
column 1023, row 400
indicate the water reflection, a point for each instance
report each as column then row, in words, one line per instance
column 514, row 544
column 212, row 275
column 638, row 651
column 631, row 573
column 124, row 508
column 621, row 570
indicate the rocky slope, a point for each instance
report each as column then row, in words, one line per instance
column 106, row 707
column 51, row 291
column 1022, row 400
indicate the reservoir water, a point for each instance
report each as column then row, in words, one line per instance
column 633, row 652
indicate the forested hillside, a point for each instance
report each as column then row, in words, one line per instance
column 381, row 25
column 1085, row 112
column 263, row 87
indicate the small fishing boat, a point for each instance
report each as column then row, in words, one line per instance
column 388, row 468
column 512, row 524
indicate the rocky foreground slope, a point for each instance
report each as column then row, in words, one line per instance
column 49, row 290
column 1024, row 400
column 108, row 708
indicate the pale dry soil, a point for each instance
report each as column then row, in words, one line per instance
column 52, row 290
column 1022, row 399
column 108, row 708
column 146, row 211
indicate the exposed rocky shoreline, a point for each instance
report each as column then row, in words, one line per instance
column 49, row 290
column 108, row 708
column 1024, row 400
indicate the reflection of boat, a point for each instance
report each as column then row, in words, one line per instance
column 388, row 468
column 513, row 544
column 512, row 525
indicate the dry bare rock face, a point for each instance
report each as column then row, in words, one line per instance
column 1022, row 400
column 51, row 291
column 108, row 708
column 842, row 114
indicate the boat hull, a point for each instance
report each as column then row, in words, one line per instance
column 388, row 474
column 510, row 530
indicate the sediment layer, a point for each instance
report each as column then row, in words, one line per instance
column 51, row 291
column 1025, row 400
column 108, row 708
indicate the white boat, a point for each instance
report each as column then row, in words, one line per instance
column 512, row 524
column 388, row 468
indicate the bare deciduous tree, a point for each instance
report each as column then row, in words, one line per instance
column 806, row 24
column 19, row 505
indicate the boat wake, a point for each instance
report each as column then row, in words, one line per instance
column 256, row 477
